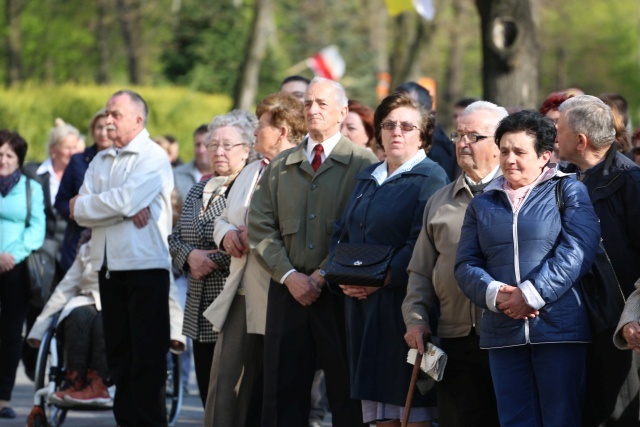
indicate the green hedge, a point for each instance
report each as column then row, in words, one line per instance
column 31, row 110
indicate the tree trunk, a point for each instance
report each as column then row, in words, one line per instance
column 102, row 43
column 510, row 52
column 247, row 85
column 128, row 15
column 452, row 88
column 13, row 9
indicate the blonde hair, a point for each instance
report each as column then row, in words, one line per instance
column 60, row 131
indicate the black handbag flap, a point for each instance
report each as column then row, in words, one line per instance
column 361, row 254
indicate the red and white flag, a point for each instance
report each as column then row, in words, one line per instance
column 327, row 63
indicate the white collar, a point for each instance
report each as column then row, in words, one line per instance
column 327, row 145
column 46, row 166
column 486, row 179
column 380, row 174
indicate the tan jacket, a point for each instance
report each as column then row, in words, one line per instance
column 245, row 270
column 630, row 313
column 293, row 209
column 431, row 267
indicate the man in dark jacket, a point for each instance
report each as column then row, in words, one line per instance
column 586, row 138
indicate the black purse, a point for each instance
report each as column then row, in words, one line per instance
column 359, row 264
column 41, row 264
column 602, row 295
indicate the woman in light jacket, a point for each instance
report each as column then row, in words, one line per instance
column 520, row 257
column 192, row 246
column 17, row 241
column 239, row 313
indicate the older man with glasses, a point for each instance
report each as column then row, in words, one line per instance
column 434, row 304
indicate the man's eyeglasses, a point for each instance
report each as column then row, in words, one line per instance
column 226, row 146
column 471, row 137
column 404, row 126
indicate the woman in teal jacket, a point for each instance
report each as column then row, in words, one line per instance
column 16, row 243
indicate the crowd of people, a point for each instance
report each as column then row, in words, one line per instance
column 225, row 258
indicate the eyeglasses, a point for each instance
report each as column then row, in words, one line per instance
column 471, row 137
column 226, row 146
column 404, row 126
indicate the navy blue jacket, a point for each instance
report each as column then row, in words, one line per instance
column 69, row 186
column 390, row 214
column 550, row 252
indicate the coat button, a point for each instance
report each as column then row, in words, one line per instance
column 311, row 246
column 312, row 216
column 313, row 186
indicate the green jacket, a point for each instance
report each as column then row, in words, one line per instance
column 293, row 209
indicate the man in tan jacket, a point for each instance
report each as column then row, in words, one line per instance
column 465, row 394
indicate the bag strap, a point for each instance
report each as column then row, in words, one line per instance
column 560, row 196
column 346, row 218
column 27, row 220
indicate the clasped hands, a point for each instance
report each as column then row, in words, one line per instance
column 235, row 242
column 305, row 289
column 362, row 292
column 510, row 301
column 631, row 334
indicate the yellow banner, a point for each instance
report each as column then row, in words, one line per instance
column 396, row 7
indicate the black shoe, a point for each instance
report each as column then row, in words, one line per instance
column 7, row 412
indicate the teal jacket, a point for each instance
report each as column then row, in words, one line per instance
column 15, row 238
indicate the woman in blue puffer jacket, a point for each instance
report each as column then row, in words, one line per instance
column 520, row 259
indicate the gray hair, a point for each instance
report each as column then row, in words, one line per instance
column 137, row 100
column 497, row 112
column 60, row 131
column 590, row 116
column 339, row 92
column 242, row 120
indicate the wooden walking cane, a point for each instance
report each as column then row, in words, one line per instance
column 412, row 387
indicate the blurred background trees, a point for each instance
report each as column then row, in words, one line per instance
column 513, row 52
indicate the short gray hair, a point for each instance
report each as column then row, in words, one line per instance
column 242, row 120
column 590, row 116
column 340, row 93
column 138, row 100
column 497, row 112
column 60, row 131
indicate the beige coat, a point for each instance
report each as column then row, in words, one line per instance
column 245, row 271
column 630, row 313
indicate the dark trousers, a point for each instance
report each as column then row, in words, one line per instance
column 135, row 313
column 295, row 337
column 14, row 294
column 84, row 341
column 539, row 385
column 607, row 370
column 202, row 360
column 465, row 394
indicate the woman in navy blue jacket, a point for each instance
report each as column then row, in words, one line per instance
column 386, row 208
column 520, row 259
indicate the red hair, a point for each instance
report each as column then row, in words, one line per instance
column 366, row 115
column 553, row 101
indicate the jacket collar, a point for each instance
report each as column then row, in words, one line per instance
column 342, row 153
column 497, row 182
column 135, row 146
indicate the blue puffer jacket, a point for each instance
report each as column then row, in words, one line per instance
column 534, row 250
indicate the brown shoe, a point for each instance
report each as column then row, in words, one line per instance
column 95, row 393
column 72, row 382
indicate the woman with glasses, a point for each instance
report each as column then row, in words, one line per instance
column 192, row 246
column 386, row 208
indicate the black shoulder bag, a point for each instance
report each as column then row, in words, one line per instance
column 603, row 297
column 359, row 264
column 41, row 264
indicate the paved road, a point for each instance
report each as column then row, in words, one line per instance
column 22, row 402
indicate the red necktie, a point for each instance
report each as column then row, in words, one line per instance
column 317, row 159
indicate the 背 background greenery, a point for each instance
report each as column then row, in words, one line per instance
column 63, row 58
